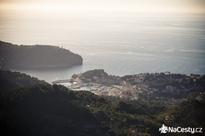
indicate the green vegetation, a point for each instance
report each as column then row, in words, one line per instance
column 35, row 108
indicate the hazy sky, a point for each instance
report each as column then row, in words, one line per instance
column 105, row 5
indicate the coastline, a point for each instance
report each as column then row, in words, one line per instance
column 145, row 85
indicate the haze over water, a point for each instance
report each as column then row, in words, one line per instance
column 121, row 43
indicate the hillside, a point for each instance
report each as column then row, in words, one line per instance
column 36, row 57
column 32, row 107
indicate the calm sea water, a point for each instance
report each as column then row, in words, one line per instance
column 121, row 44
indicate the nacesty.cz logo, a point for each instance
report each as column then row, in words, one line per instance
column 165, row 129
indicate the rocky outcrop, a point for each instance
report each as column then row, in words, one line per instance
column 36, row 57
column 97, row 76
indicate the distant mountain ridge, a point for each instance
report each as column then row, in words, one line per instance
column 36, row 57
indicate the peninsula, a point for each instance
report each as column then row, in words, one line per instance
column 36, row 57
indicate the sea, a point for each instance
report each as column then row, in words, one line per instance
column 121, row 43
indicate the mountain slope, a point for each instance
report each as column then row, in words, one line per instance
column 32, row 107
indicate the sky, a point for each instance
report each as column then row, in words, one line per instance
column 104, row 5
